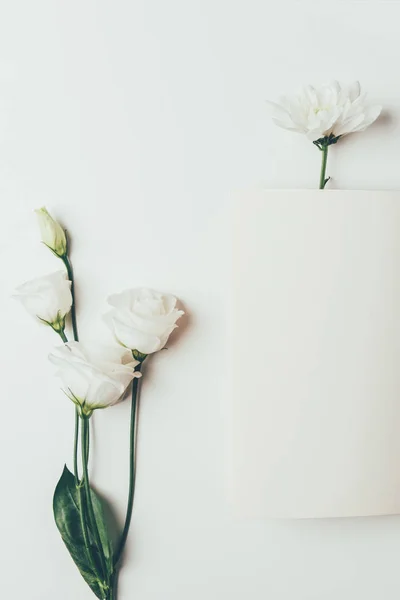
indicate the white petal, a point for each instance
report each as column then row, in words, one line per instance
column 121, row 301
column 103, row 391
column 354, row 91
column 349, row 126
column 47, row 297
column 298, row 114
column 309, row 97
column 164, row 338
column 76, row 380
column 135, row 339
column 314, row 135
column 324, row 95
column 169, row 302
column 334, row 91
column 279, row 110
column 148, row 303
column 98, row 354
column 155, row 325
column 371, row 115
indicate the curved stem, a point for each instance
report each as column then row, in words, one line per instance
column 132, row 468
column 89, row 504
column 70, row 274
column 322, row 178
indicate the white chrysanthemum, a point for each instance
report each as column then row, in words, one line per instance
column 327, row 111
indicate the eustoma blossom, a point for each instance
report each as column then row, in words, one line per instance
column 325, row 114
column 142, row 319
column 47, row 298
column 95, row 377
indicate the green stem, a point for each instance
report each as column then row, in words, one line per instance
column 62, row 335
column 70, row 274
column 322, row 178
column 87, row 444
column 89, row 504
column 79, row 485
column 111, row 593
column 132, row 468
column 85, row 529
column 76, row 437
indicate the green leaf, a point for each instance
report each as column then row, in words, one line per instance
column 67, row 514
column 103, row 530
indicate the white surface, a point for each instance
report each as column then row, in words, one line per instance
column 316, row 306
column 133, row 121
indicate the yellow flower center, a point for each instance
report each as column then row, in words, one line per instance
column 319, row 108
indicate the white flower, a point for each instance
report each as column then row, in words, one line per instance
column 143, row 319
column 329, row 110
column 48, row 298
column 53, row 235
column 94, row 376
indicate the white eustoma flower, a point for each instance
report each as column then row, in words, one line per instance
column 329, row 111
column 53, row 235
column 94, row 376
column 143, row 319
column 48, row 298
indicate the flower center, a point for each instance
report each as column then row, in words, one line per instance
column 320, row 108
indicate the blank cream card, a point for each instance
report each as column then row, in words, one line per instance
column 316, row 354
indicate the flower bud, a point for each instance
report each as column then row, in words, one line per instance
column 53, row 235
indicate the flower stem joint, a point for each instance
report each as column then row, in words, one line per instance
column 84, row 411
column 139, row 355
column 59, row 324
column 326, row 141
column 323, row 144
